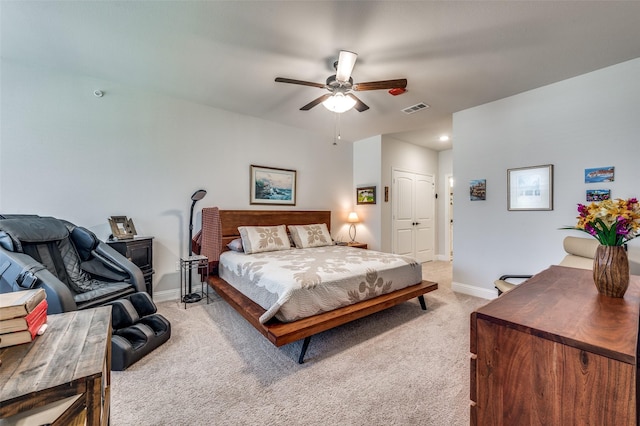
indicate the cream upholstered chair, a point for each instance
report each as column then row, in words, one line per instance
column 580, row 254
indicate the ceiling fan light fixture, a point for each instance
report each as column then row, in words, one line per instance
column 339, row 103
column 346, row 62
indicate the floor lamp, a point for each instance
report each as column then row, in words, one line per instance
column 197, row 196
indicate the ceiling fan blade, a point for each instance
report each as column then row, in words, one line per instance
column 360, row 106
column 383, row 84
column 300, row 82
column 346, row 62
column 315, row 102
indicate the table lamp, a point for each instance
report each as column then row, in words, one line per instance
column 353, row 219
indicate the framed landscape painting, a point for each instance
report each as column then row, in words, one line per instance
column 366, row 195
column 270, row 185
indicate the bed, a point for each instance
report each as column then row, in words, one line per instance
column 281, row 331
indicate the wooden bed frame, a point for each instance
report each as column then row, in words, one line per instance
column 281, row 333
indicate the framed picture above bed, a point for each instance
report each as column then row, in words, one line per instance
column 270, row 185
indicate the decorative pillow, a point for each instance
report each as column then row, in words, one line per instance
column 256, row 239
column 236, row 245
column 316, row 235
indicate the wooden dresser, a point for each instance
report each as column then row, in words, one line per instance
column 553, row 351
column 62, row 377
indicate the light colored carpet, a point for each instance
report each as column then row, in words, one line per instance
column 398, row 367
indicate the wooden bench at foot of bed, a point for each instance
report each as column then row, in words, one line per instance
column 282, row 333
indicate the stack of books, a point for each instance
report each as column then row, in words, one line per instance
column 22, row 315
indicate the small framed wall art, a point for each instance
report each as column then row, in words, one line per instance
column 598, row 195
column 272, row 186
column 478, row 189
column 366, row 195
column 530, row 188
column 599, row 174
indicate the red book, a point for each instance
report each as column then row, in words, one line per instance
column 25, row 322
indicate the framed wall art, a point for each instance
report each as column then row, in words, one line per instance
column 366, row 195
column 270, row 185
column 530, row 188
column 478, row 190
column 122, row 228
column 599, row 174
column 598, row 195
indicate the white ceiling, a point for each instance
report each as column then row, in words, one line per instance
column 226, row 54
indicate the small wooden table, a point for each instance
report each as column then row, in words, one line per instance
column 358, row 245
column 554, row 351
column 71, row 359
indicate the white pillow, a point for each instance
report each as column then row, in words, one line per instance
column 236, row 245
column 316, row 235
column 257, row 239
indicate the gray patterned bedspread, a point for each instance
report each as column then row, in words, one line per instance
column 297, row 283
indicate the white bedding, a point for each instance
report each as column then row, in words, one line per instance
column 297, row 283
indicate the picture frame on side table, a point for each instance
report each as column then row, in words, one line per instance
column 530, row 188
column 270, row 185
column 122, row 228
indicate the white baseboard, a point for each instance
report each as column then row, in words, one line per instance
column 472, row 290
column 442, row 257
column 163, row 296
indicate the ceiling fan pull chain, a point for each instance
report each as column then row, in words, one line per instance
column 336, row 132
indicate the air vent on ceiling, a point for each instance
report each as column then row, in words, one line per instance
column 415, row 108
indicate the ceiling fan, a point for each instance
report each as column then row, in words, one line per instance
column 340, row 86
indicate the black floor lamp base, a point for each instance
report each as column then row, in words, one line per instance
column 192, row 298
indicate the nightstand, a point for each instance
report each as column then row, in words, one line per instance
column 357, row 245
column 138, row 250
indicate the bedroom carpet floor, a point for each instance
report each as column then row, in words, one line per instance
column 402, row 366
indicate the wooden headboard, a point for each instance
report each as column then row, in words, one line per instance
column 231, row 219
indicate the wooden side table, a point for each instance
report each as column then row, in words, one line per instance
column 69, row 366
column 358, row 245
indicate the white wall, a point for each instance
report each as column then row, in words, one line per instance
column 584, row 122
column 445, row 168
column 68, row 154
column 367, row 162
column 374, row 160
column 407, row 157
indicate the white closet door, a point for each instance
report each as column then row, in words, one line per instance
column 413, row 208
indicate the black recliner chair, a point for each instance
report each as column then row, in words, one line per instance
column 78, row 271
column 137, row 329
column 75, row 268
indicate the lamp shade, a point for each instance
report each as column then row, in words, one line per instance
column 346, row 62
column 353, row 218
column 198, row 195
column 339, row 103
